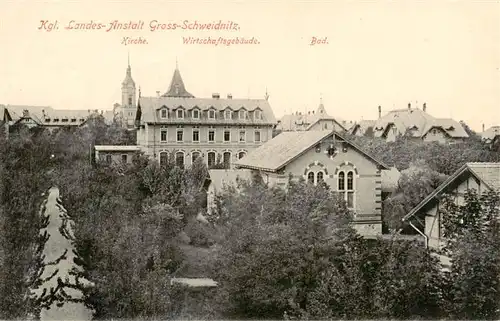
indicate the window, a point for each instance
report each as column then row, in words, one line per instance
column 242, row 136
column 310, row 177
column 319, row 177
column 341, row 182
column 130, row 101
column 194, row 156
column 242, row 114
column 228, row 114
column 227, row 159
column 163, row 113
column 211, row 114
column 241, row 155
column 257, row 136
column 179, row 159
column 211, row 158
column 196, row 114
column 124, row 158
column 196, row 135
column 180, row 135
column 163, row 158
column 227, row 135
column 347, row 190
column 180, row 113
column 211, row 135
column 108, row 159
column 163, row 135
column 258, row 114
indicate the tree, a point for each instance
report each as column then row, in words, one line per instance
column 472, row 234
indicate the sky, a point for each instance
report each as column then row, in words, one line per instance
column 443, row 53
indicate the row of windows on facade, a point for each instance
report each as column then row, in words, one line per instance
column 211, row 135
column 63, row 120
column 346, row 190
column 180, row 158
column 211, row 114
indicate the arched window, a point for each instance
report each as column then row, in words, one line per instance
column 227, row 159
column 319, row 177
column 350, row 189
column 194, row 156
column 347, row 190
column 179, row 159
column 108, row 159
column 341, row 183
column 163, row 158
column 211, row 159
column 310, row 177
column 241, row 155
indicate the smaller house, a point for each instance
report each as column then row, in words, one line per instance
column 425, row 218
column 418, row 124
column 491, row 136
column 313, row 120
column 324, row 157
column 115, row 154
column 219, row 178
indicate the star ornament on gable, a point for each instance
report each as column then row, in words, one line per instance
column 331, row 151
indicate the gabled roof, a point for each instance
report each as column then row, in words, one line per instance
column 149, row 105
column 287, row 146
column 299, row 121
column 361, row 126
column 487, row 173
column 418, row 119
column 4, row 114
column 490, row 133
column 177, row 88
column 45, row 115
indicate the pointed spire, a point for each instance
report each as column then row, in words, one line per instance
column 128, row 75
column 321, row 107
column 139, row 91
column 176, row 64
column 177, row 88
column 266, row 95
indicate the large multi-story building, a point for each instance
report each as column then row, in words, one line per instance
column 178, row 125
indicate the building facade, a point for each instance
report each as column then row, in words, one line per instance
column 325, row 156
column 220, row 130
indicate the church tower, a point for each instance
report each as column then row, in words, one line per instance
column 129, row 100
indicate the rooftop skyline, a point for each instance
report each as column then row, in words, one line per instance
column 445, row 54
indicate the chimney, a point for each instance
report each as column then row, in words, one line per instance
column 309, row 112
column 229, row 96
column 379, row 111
column 26, row 113
column 313, row 112
column 215, row 95
column 158, row 93
column 409, row 106
column 483, row 127
column 424, row 107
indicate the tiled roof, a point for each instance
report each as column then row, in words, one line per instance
column 177, row 88
column 419, row 122
column 361, row 126
column 221, row 177
column 491, row 133
column 285, row 147
column 49, row 116
column 488, row 173
column 299, row 121
column 149, row 105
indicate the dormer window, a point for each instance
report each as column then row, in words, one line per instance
column 450, row 128
column 196, row 114
column 56, row 120
column 47, row 120
column 73, row 120
column 163, row 112
column 180, row 113
column 227, row 114
column 242, row 114
column 258, row 114
column 211, row 114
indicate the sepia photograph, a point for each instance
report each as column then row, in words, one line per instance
column 249, row 160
